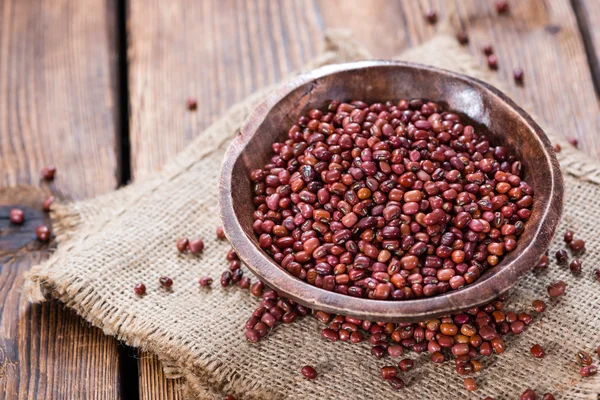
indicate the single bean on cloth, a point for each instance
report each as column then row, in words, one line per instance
column 199, row 331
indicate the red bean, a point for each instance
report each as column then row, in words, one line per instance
column 182, row 244
column 196, row 246
column 396, row 383
column 16, row 216
column 388, row 372
column 431, row 17
column 557, row 289
column 588, row 370
column 577, row 245
column 165, row 281
column 548, row 396
column 584, row 358
column 48, row 203
column 502, row 6
column 48, row 172
column 539, row 306
column 406, row 365
column 518, row 76
column 575, row 266
column 470, row 384
column 205, row 281
column 220, row 233
column 528, row 394
column 462, row 38
column 139, row 289
column 43, row 233
column 537, row 351
column 191, row 104
column 309, row 372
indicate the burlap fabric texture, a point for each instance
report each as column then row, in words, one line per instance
column 108, row 244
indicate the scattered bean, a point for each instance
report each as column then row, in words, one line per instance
column 196, row 246
column 309, row 372
column 16, row 216
column 182, row 244
column 557, row 289
column 165, row 281
column 48, row 203
column 205, row 281
column 48, row 172
column 43, row 233
column 139, row 289
column 537, row 351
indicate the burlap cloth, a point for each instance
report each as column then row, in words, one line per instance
column 108, row 244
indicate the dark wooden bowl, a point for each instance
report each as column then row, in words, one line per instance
column 487, row 109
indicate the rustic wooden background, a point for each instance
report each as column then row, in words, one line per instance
column 98, row 88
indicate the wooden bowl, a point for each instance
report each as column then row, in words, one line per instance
column 487, row 109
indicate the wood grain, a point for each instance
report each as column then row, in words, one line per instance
column 588, row 15
column 57, row 105
column 221, row 51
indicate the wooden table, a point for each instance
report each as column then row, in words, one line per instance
column 98, row 88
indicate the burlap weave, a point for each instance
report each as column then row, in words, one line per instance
column 108, row 244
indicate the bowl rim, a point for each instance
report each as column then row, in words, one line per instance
column 386, row 310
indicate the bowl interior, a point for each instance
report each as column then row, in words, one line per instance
column 483, row 106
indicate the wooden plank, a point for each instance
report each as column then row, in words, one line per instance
column 57, row 105
column 588, row 15
column 227, row 49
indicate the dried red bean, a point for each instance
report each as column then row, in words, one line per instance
column 488, row 50
column 539, row 306
column 577, row 245
column 462, row 38
column 191, row 103
column 557, row 289
column 584, row 358
column 406, row 365
column 502, row 6
column 220, row 233
column 470, row 384
column 205, row 281
column 48, row 172
column 16, row 216
column 537, row 351
column 431, row 17
column 518, row 76
column 252, row 335
column 528, row 394
column 139, row 289
column 575, row 266
column 588, row 370
column 48, row 203
column 244, row 282
column 396, row 383
column 568, row 237
column 165, row 281
column 598, row 351
column 597, row 274
column 548, row 396
column 182, row 244
column 196, row 246
column 573, row 141
column 562, row 256
column 309, row 372
column 226, row 278
column 388, row 372
column 229, row 397
column 257, row 289
column 492, row 62
column 43, row 233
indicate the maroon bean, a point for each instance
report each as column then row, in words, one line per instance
column 43, row 233
column 462, row 38
column 196, row 246
column 557, row 289
column 165, row 281
column 588, row 370
column 548, row 396
column 388, row 372
column 584, row 358
column 575, row 266
column 16, row 216
column 309, row 372
column 537, row 351
column 406, row 365
column 140, row 289
column 191, row 103
column 539, row 306
column 518, row 76
column 396, row 383
column 577, row 245
column 492, row 62
column 48, row 203
column 220, row 233
column 502, row 6
column 528, row 394
column 431, row 17
column 48, row 172
column 205, row 281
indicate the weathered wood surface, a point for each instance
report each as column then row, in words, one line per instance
column 57, row 105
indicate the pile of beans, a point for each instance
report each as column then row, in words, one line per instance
column 388, row 201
